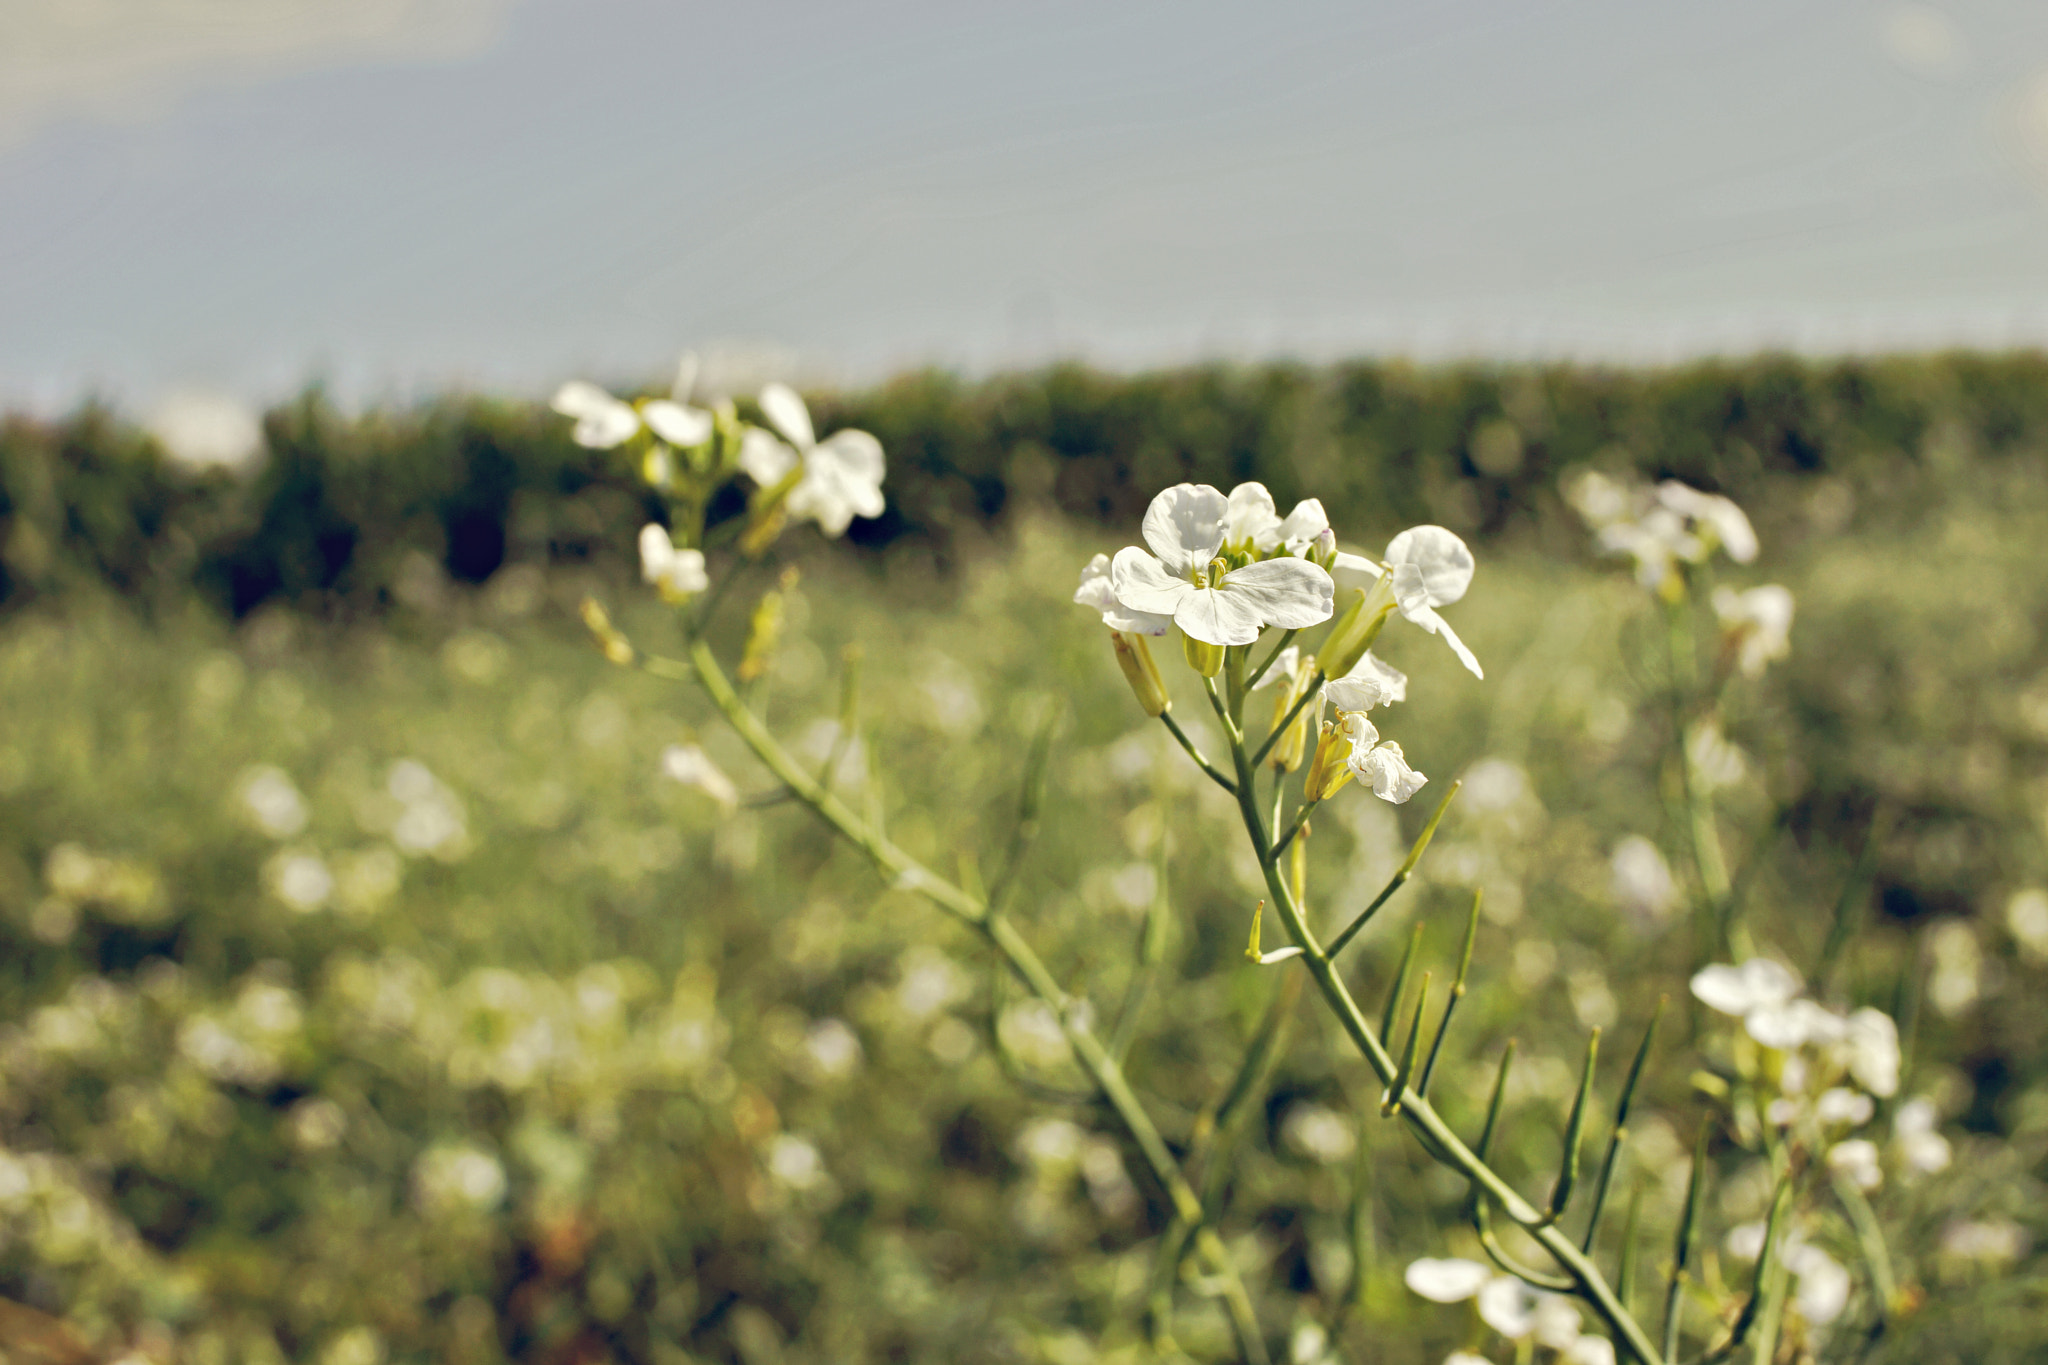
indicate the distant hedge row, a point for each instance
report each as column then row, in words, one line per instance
column 474, row 483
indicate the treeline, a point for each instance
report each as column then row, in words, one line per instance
column 341, row 502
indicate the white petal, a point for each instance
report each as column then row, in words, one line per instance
column 1184, row 527
column 1374, row 679
column 1794, row 1024
column 1450, row 1280
column 1387, row 770
column 1095, row 591
column 656, row 550
column 764, row 459
column 1465, row 655
column 1445, row 562
column 1252, row 516
column 1508, row 1306
column 1358, row 728
column 1557, row 1322
column 1303, row 525
column 604, row 428
column 676, row 424
column 1589, row 1351
column 1730, row 524
column 691, row 766
column 580, row 399
column 781, row 406
column 1142, row 583
column 1874, row 1051
column 1289, row 593
column 1823, row 1287
column 1219, row 616
column 1738, row 990
column 854, row 459
column 1354, row 571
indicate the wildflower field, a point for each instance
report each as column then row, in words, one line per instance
column 408, row 962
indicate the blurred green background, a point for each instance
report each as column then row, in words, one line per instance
column 369, row 995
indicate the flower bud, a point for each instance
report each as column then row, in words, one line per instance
column 1205, row 658
column 1287, row 750
column 616, row 646
column 1329, row 770
column 1356, row 629
column 1134, row 657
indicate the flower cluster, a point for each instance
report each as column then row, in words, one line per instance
column 1661, row 527
column 688, row 453
column 1224, row 569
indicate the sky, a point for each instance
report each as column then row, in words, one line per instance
column 398, row 197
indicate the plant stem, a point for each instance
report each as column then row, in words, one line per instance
column 1416, row 1111
column 908, row 874
column 1181, row 736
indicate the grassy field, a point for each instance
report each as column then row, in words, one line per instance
column 371, row 996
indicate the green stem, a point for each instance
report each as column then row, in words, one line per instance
column 908, row 874
column 1278, row 650
column 1215, row 773
column 1422, row 1119
column 1312, row 691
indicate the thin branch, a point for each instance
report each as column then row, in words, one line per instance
column 1215, row 773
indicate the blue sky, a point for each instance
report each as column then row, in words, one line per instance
column 395, row 196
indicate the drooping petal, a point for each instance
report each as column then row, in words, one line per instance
column 1143, row 584
column 764, row 459
column 1387, row 770
column 1445, row 563
column 1290, row 593
column 1219, row 615
column 1252, row 517
column 1184, row 527
column 1458, row 647
column 677, row 424
column 1359, row 729
column 854, row 460
column 1449, row 1280
column 1411, row 596
column 781, row 405
column 1738, row 990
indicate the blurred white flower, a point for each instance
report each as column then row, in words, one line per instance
column 1758, row 623
column 1049, row 1142
column 842, row 474
column 691, row 766
column 271, row 798
column 1318, row 1133
column 1432, row 568
column 795, row 1162
column 1871, row 1042
column 316, row 1125
column 1957, row 979
column 1923, row 1149
column 1745, row 1241
column 1663, row 527
column 1757, row 983
column 300, row 880
column 1370, row 683
column 1995, row 1240
column 1716, row 762
column 1857, row 1160
column 2026, row 916
column 457, row 1176
column 1096, row 593
column 1185, row 528
column 1449, row 1280
column 1588, row 1351
column 1381, row 765
column 834, row 1049
column 1642, row 880
column 1794, row 1024
column 1515, row 1310
column 1823, row 1282
column 679, row 574
column 1711, row 512
column 1843, row 1107
column 1465, row 1358
column 602, row 421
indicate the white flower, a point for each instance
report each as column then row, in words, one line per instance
column 1843, row 1106
column 1516, row 1311
column 1794, row 1024
column 1465, row 1358
column 1185, row 528
column 1824, row 1284
column 1642, row 880
column 1598, row 499
column 1096, row 592
column 1871, row 1040
column 1990, row 1239
column 1759, row 621
column 1254, row 520
column 1589, row 1351
column 1370, row 683
column 1450, row 1280
column 677, row 573
column 1857, row 1159
column 1382, row 766
column 1913, row 1133
column 1432, row 568
column 842, row 474
column 603, row 422
column 691, row 766
column 1738, row 990
column 1656, row 543
column 1712, row 512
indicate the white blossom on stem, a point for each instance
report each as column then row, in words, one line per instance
column 1254, row 520
column 1370, row 683
column 1758, row 623
column 1208, row 600
column 677, row 573
column 603, row 422
column 1432, row 568
column 1380, row 765
column 842, row 474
